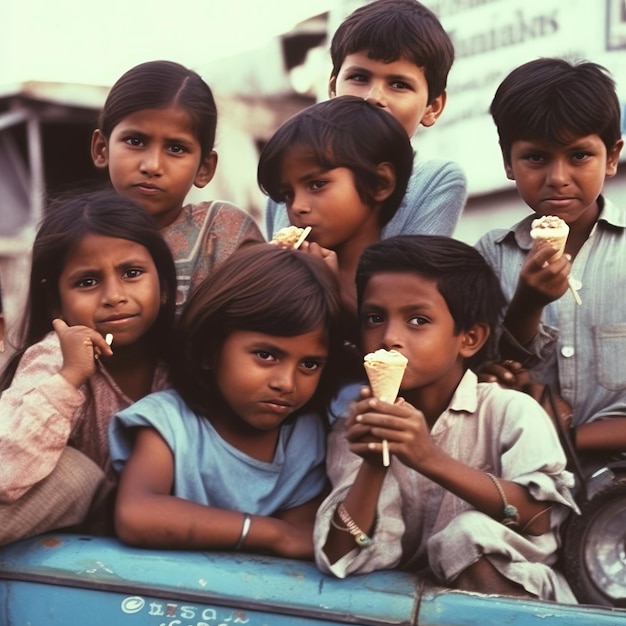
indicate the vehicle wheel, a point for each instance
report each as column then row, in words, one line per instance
column 594, row 552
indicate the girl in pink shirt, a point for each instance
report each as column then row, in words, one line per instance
column 96, row 338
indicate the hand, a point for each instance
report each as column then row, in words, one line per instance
column 508, row 374
column 327, row 255
column 401, row 424
column 81, row 346
column 543, row 281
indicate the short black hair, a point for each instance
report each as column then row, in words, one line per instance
column 555, row 100
column 343, row 132
column 392, row 29
column 465, row 280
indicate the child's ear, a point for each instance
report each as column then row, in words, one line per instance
column 434, row 110
column 507, row 166
column 474, row 339
column 386, row 175
column 612, row 158
column 99, row 149
column 332, row 86
column 206, row 170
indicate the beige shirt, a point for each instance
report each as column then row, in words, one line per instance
column 486, row 427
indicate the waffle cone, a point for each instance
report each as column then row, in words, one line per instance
column 385, row 377
column 555, row 235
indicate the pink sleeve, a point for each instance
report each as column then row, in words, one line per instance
column 36, row 419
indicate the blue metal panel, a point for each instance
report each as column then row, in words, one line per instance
column 251, row 583
column 69, row 580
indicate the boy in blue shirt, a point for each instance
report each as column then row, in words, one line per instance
column 559, row 130
column 396, row 54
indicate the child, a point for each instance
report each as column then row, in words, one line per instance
column 476, row 484
column 342, row 167
column 396, row 55
column 559, row 129
column 155, row 137
column 99, row 267
column 233, row 456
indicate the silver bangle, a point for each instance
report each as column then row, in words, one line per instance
column 245, row 529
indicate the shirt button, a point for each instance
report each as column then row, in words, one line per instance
column 567, row 351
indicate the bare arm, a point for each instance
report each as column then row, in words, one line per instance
column 409, row 440
column 148, row 515
column 604, row 435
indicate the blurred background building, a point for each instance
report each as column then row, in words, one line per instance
column 46, row 124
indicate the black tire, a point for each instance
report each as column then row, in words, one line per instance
column 594, row 554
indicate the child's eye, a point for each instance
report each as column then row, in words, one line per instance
column 398, row 84
column 315, row 185
column 177, row 149
column 133, row 141
column 580, row 156
column 358, row 78
column 533, row 157
column 86, row 283
column 264, row 355
column 418, row 320
column 133, row 272
column 372, row 319
column 312, row 365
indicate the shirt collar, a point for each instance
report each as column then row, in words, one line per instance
column 465, row 398
column 610, row 215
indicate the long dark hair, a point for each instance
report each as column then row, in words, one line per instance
column 261, row 288
column 66, row 222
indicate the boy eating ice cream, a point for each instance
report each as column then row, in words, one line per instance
column 559, row 130
column 475, row 490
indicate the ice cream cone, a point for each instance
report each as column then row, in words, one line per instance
column 553, row 230
column 385, row 370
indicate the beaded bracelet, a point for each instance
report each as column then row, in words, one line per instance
column 360, row 537
column 245, row 529
column 510, row 513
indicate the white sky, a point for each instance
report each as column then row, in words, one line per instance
column 95, row 41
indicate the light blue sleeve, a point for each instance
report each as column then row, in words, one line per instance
column 433, row 201
column 161, row 410
column 275, row 218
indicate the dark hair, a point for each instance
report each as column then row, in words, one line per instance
column 160, row 84
column 343, row 132
column 392, row 29
column 464, row 279
column 65, row 224
column 558, row 101
column 261, row 288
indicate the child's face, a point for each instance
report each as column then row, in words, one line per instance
column 404, row 311
column 326, row 200
column 154, row 158
column 264, row 378
column 112, row 286
column 562, row 180
column 399, row 87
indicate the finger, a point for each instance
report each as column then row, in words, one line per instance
column 59, row 325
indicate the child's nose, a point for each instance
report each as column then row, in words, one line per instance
column 557, row 173
column 392, row 338
column 283, row 379
column 300, row 203
column 376, row 95
column 151, row 162
column 114, row 292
